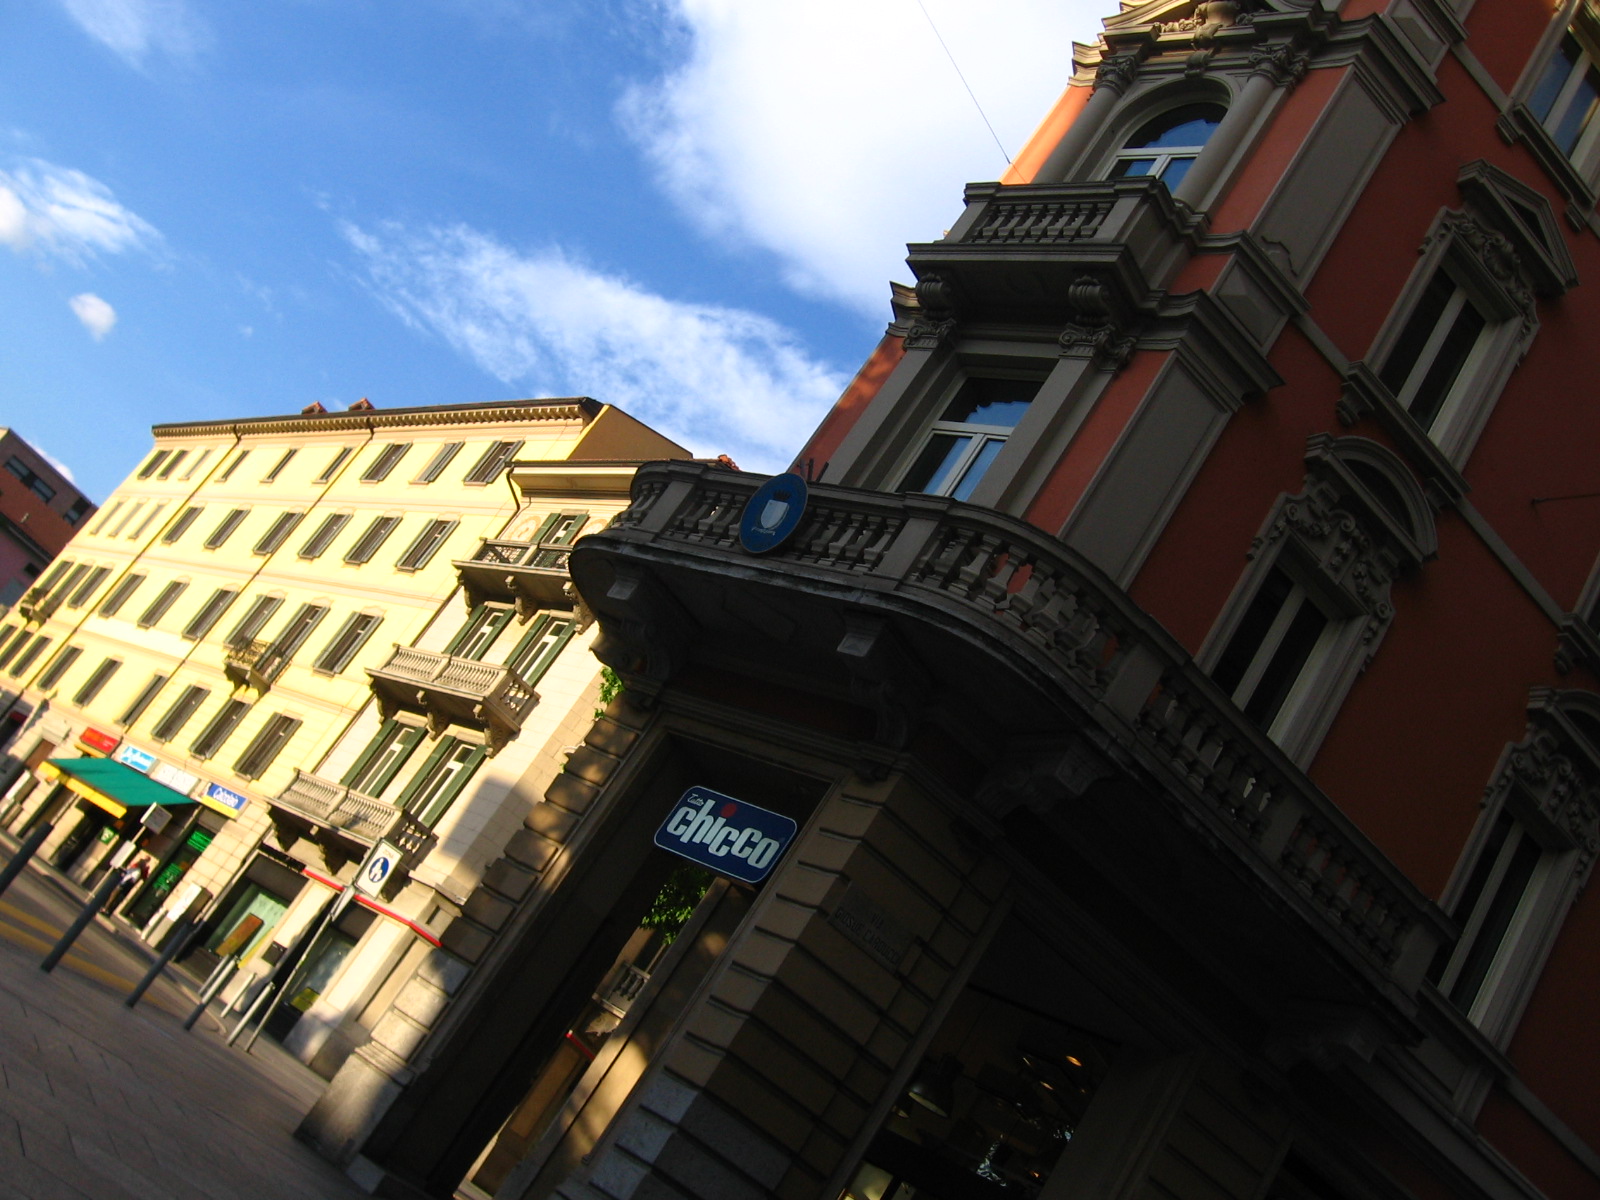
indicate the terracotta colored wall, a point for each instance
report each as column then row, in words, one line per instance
column 844, row 414
column 1045, row 138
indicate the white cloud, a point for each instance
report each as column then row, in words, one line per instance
column 58, row 211
column 133, row 29
column 66, row 471
column 96, row 315
column 719, row 380
column 831, row 133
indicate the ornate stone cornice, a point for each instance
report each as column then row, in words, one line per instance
column 502, row 413
column 1546, row 780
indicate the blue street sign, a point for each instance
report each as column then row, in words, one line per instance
column 136, row 758
column 215, row 791
column 727, row 835
column 772, row 513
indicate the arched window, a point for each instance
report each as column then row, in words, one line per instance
column 1167, row 145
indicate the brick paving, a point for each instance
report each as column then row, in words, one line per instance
column 102, row 1103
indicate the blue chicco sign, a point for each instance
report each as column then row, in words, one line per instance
column 772, row 513
column 727, row 835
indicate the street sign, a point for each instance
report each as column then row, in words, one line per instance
column 376, row 868
column 729, row 836
column 772, row 513
column 132, row 756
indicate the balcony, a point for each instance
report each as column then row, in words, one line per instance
column 532, row 575
column 360, row 818
column 39, row 603
column 453, row 691
column 254, row 664
column 1022, row 249
column 1001, row 628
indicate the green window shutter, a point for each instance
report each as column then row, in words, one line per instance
column 440, row 804
column 445, row 746
column 385, row 732
column 409, row 736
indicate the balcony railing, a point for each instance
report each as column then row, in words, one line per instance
column 449, row 690
column 40, row 603
column 532, row 575
column 360, row 818
column 1043, row 238
column 255, row 663
column 1051, row 609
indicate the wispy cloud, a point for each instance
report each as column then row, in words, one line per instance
column 720, row 380
column 135, row 29
column 832, row 149
column 66, row 471
column 59, row 212
column 95, row 314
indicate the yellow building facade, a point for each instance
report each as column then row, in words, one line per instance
column 236, row 611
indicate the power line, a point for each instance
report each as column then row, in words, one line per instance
column 964, row 83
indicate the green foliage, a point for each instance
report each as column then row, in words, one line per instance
column 611, row 686
column 674, row 903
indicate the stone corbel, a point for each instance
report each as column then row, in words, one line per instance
column 1327, row 1036
column 1094, row 333
column 885, row 676
column 1040, row 775
column 935, row 319
column 645, row 633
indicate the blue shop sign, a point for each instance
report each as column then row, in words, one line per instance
column 136, row 758
column 220, row 794
column 727, row 835
column 773, row 513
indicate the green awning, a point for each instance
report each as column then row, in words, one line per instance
column 112, row 785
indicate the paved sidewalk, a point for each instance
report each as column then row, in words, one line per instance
column 103, row 1103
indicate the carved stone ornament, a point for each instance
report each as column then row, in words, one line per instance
column 1041, row 777
column 1116, row 72
column 1284, row 64
column 936, row 320
column 1094, row 333
column 884, row 676
column 929, row 335
column 1498, row 256
column 1540, row 771
column 1340, row 544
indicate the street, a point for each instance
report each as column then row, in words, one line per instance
column 103, row 1103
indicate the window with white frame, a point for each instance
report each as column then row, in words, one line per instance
column 1429, row 366
column 1167, row 145
column 383, row 757
column 483, row 625
column 1314, row 604
column 1567, row 91
column 1532, row 850
column 968, row 436
column 1457, row 332
column 441, row 779
column 1276, row 650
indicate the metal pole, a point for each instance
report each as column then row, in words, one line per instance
column 284, row 966
column 30, row 847
column 81, row 922
column 179, row 939
column 328, row 918
column 218, row 981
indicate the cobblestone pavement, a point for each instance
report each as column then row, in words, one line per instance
column 100, row 1102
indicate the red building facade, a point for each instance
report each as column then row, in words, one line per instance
column 1184, row 677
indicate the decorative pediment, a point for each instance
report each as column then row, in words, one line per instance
column 1521, row 215
column 1551, row 779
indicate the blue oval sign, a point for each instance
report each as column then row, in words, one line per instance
column 727, row 835
column 773, row 513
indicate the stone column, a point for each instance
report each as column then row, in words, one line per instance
column 1111, row 80
column 1272, row 67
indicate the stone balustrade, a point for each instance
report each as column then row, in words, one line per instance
column 1054, row 611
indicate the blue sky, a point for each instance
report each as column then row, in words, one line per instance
column 689, row 208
